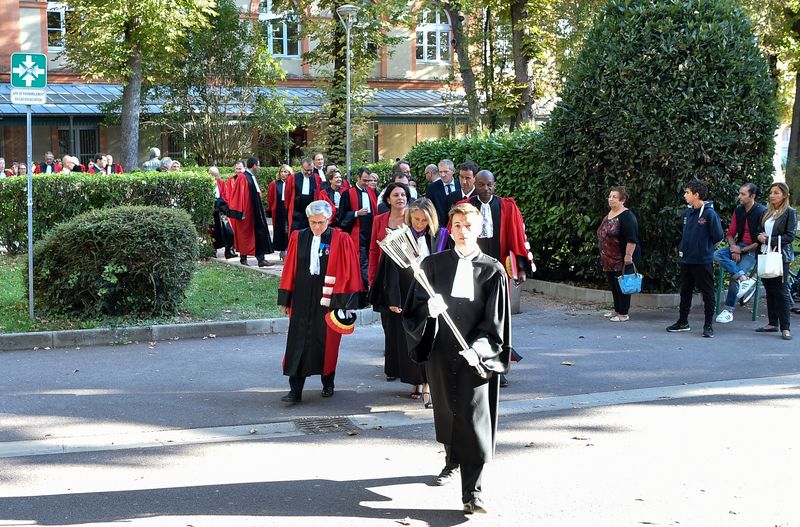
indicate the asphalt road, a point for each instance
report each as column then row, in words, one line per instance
column 603, row 424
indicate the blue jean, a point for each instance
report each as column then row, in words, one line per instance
column 745, row 265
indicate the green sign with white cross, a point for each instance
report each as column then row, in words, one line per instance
column 28, row 70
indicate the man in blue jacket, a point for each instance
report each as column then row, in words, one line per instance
column 702, row 230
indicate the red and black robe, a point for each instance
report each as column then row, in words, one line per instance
column 247, row 216
column 311, row 347
column 279, row 213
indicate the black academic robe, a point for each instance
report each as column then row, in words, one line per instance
column 465, row 413
column 250, row 220
column 311, row 347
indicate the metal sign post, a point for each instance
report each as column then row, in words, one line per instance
column 30, row 216
column 28, row 83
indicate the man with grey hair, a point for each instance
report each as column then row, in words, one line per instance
column 439, row 190
column 431, row 173
column 4, row 172
column 153, row 162
column 320, row 286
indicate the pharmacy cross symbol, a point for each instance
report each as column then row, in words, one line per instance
column 28, row 71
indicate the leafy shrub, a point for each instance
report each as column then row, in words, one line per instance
column 57, row 198
column 134, row 261
column 662, row 92
column 511, row 157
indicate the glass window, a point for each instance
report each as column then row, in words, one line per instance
column 281, row 29
column 433, row 36
column 57, row 24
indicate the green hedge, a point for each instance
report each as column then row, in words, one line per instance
column 511, row 157
column 662, row 92
column 131, row 261
column 57, row 198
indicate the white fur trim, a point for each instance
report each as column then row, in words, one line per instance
column 327, row 291
column 325, row 302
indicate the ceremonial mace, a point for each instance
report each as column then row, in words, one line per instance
column 401, row 246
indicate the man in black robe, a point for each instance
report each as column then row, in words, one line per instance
column 321, row 274
column 472, row 288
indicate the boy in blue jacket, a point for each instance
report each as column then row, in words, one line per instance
column 702, row 230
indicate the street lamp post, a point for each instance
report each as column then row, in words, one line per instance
column 347, row 14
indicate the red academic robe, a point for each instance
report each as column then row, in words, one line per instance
column 513, row 239
column 238, row 199
column 309, row 297
column 38, row 169
column 353, row 204
column 291, row 189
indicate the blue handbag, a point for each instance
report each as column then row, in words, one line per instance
column 630, row 284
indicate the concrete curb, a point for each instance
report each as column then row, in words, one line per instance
column 584, row 294
column 127, row 335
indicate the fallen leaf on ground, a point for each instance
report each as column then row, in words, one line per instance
column 352, row 433
column 568, row 363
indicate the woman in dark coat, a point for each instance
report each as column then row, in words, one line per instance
column 780, row 225
column 389, row 286
column 618, row 239
column 423, row 220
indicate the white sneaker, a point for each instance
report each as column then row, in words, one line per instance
column 745, row 286
column 724, row 317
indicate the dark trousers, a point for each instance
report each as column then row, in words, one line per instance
column 471, row 476
column 778, row 301
column 363, row 260
column 622, row 302
column 700, row 276
column 296, row 383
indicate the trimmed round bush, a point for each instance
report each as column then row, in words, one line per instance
column 662, row 92
column 120, row 261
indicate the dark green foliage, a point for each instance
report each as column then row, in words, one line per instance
column 133, row 261
column 511, row 157
column 57, row 198
column 662, row 92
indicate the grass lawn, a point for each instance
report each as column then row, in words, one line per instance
column 217, row 292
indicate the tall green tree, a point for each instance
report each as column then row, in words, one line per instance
column 371, row 33
column 222, row 93
column 134, row 43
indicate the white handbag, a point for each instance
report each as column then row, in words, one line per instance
column 770, row 264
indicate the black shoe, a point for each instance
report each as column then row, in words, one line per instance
column 243, row 260
column 474, row 506
column 708, row 332
column 231, row 254
column 265, row 263
column 390, row 379
column 327, row 391
column 503, row 381
column 447, row 475
column 678, row 326
column 291, row 397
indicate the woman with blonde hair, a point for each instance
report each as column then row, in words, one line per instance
column 779, row 224
column 276, row 207
column 431, row 238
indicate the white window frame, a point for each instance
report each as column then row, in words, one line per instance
column 267, row 17
column 63, row 9
column 440, row 24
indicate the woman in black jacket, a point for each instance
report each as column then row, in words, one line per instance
column 618, row 240
column 779, row 223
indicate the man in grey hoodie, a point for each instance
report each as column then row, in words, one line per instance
column 702, row 230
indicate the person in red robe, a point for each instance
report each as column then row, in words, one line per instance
column 223, row 233
column 320, row 276
column 247, row 216
column 49, row 166
column 357, row 208
column 301, row 190
column 332, row 192
column 276, row 205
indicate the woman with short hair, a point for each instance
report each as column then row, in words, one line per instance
column 618, row 240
